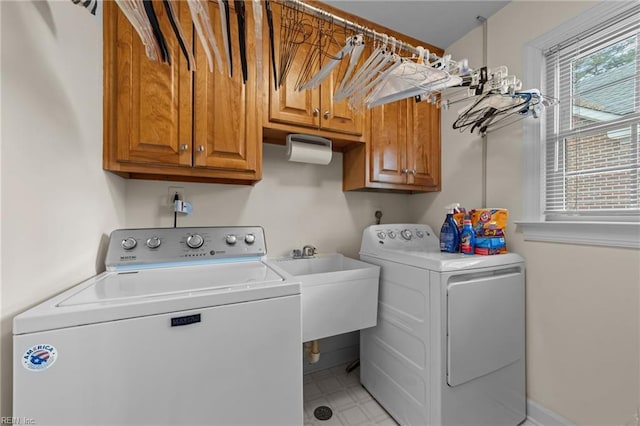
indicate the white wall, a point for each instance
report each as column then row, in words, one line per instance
column 57, row 203
column 296, row 203
column 583, row 315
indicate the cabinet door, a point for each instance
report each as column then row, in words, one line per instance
column 336, row 115
column 388, row 142
column 286, row 104
column 423, row 145
column 152, row 99
column 226, row 119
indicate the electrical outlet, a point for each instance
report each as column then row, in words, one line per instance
column 172, row 193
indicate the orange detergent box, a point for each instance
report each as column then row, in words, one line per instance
column 490, row 226
column 489, row 222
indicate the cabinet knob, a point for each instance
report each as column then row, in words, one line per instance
column 413, row 171
column 405, row 171
column 326, row 115
column 316, row 111
column 184, row 147
column 200, row 148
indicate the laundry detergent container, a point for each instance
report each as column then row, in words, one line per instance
column 339, row 294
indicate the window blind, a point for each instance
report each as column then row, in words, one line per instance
column 592, row 160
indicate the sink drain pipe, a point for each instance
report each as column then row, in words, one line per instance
column 312, row 351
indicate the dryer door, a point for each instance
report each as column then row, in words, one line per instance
column 485, row 322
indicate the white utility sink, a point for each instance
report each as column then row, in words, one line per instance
column 339, row 294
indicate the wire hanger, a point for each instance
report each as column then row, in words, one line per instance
column 292, row 35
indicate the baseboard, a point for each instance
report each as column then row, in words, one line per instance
column 538, row 415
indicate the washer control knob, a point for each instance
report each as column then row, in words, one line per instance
column 128, row 243
column 406, row 234
column 391, row 234
column 382, row 235
column 154, row 242
column 249, row 239
column 195, row 241
column 419, row 234
column 231, row 239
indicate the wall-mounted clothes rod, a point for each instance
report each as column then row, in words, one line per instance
column 320, row 13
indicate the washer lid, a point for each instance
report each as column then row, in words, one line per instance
column 115, row 295
column 131, row 286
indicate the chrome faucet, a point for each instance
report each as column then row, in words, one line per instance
column 306, row 252
column 309, row 251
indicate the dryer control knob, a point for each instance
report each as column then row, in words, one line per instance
column 391, row 234
column 231, row 239
column 382, row 235
column 195, row 241
column 128, row 243
column 420, row 234
column 249, row 239
column 154, row 242
column 406, row 234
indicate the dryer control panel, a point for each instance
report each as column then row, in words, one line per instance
column 401, row 236
column 144, row 246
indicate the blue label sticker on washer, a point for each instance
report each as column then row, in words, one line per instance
column 39, row 357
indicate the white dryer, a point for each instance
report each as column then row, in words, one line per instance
column 449, row 346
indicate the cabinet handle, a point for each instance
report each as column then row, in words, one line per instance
column 413, row 172
column 200, row 148
column 184, row 147
column 405, row 171
column 316, row 111
column 326, row 115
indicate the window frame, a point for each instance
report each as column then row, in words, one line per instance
column 610, row 232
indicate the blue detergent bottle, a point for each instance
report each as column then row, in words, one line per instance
column 467, row 237
column 449, row 234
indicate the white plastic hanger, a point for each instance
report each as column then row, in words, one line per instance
column 202, row 23
column 134, row 11
column 368, row 76
column 354, row 46
column 409, row 79
column 257, row 20
column 348, row 82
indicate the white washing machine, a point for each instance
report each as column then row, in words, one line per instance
column 188, row 326
column 449, row 346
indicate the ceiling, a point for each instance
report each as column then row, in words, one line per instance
column 439, row 23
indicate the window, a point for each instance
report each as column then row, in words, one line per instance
column 585, row 172
column 592, row 156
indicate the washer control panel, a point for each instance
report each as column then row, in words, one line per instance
column 143, row 246
column 400, row 236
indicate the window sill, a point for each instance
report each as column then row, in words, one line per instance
column 609, row 234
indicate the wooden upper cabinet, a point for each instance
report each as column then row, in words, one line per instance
column 337, row 116
column 313, row 108
column 225, row 126
column 403, row 152
column 166, row 122
column 152, row 99
column 423, row 146
column 388, row 143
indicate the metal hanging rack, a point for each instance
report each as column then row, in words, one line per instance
column 320, row 13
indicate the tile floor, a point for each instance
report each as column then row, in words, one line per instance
column 341, row 391
column 350, row 402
